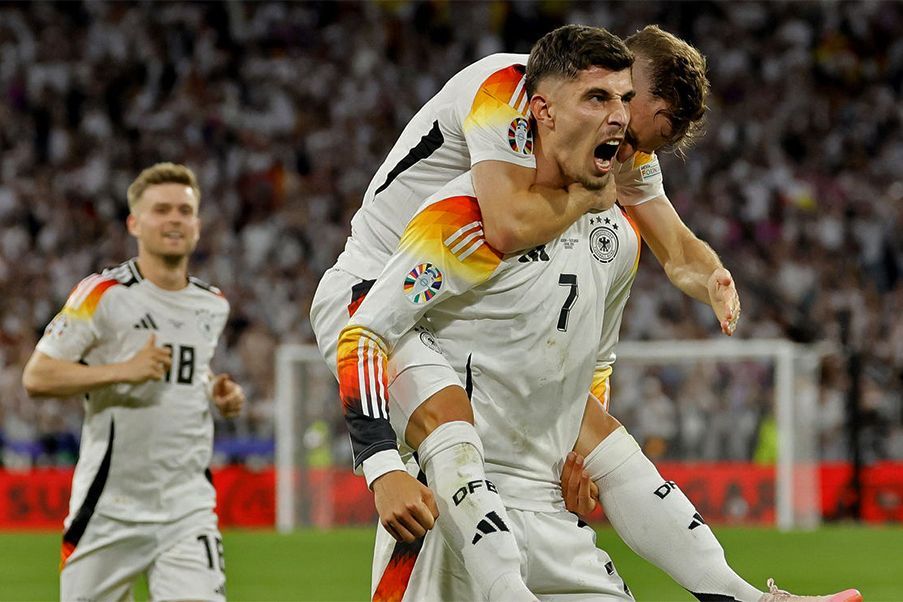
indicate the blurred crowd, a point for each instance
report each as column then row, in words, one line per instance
column 285, row 110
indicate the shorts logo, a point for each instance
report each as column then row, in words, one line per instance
column 603, row 242
column 520, row 136
column 427, row 338
column 423, row 283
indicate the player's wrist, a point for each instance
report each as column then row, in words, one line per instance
column 381, row 463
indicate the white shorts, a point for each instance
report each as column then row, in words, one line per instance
column 183, row 560
column 417, row 369
column 559, row 560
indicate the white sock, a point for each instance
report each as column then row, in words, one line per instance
column 658, row 522
column 472, row 519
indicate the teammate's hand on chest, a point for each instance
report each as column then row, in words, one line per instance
column 150, row 363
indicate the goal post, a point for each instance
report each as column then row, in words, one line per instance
column 307, row 395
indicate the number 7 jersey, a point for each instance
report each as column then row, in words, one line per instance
column 530, row 335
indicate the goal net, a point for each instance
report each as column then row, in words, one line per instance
column 733, row 422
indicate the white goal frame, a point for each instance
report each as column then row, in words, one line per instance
column 797, row 485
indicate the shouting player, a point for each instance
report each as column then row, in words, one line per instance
column 137, row 341
column 479, row 120
column 453, row 438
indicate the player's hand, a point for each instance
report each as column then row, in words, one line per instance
column 228, row 396
column 724, row 300
column 581, row 494
column 406, row 506
column 150, row 363
column 595, row 201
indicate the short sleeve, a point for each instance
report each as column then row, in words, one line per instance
column 640, row 180
column 76, row 328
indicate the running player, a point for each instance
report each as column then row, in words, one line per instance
column 137, row 341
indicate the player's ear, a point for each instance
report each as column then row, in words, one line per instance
column 132, row 224
column 540, row 110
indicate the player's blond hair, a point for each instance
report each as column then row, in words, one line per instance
column 677, row 76
column 162, row 173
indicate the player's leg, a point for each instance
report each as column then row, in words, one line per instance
column 106, row 560
column 652, row 515
column 564, row 562
column 431, row 407
column 188, row 563
column 329, row 310
column 425, row 569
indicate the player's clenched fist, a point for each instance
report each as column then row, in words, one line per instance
column 228, row 396
column 150, row 363
column 406, row 506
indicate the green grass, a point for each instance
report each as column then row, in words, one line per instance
column 335, row 565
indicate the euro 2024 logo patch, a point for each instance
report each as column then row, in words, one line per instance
column 423, row 283
column 603, row 241
column 520, row 136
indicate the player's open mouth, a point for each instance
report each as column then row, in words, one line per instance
column 604, row 153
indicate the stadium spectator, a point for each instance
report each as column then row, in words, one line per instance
column 796, row 182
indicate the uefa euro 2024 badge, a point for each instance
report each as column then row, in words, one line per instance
column 422, row 283
column 520, row 136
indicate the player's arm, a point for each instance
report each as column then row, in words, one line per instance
column 46, row 376
column 442, row 253
column 519, row 214
column 689, row 262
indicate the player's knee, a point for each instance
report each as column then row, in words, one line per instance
column 597, row 425
column 447, row 405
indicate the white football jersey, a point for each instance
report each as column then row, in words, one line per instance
column 145, row 449
column 480, row 114
column 529, row 335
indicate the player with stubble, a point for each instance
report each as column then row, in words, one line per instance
column 137, row 341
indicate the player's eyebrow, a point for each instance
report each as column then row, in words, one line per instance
column 609, row 95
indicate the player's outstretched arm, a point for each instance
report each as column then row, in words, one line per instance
column 519, row 215
column 690, row 263
column 45, row 376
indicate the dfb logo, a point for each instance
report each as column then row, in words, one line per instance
column 472, row 486
column 665, row 489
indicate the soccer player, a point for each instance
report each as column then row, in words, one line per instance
column 136, row 340
column 449, row 253
column 481, row 119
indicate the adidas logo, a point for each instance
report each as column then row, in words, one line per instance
column 535, row 254
column 697, row 521
column 490, row 524
column 146, row 323
column 466, row 240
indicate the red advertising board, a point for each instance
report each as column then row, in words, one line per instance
column 722, row 492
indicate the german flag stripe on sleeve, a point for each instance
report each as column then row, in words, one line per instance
column 600, row 387
column 639, row 241
column 500, row 98
column 362, row 365
column 450, row 232
column 83, row 299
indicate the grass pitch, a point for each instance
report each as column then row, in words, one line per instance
column 335, row 565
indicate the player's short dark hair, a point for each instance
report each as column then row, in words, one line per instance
column 162, row 173
column 566, row 51
column 677, row 76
